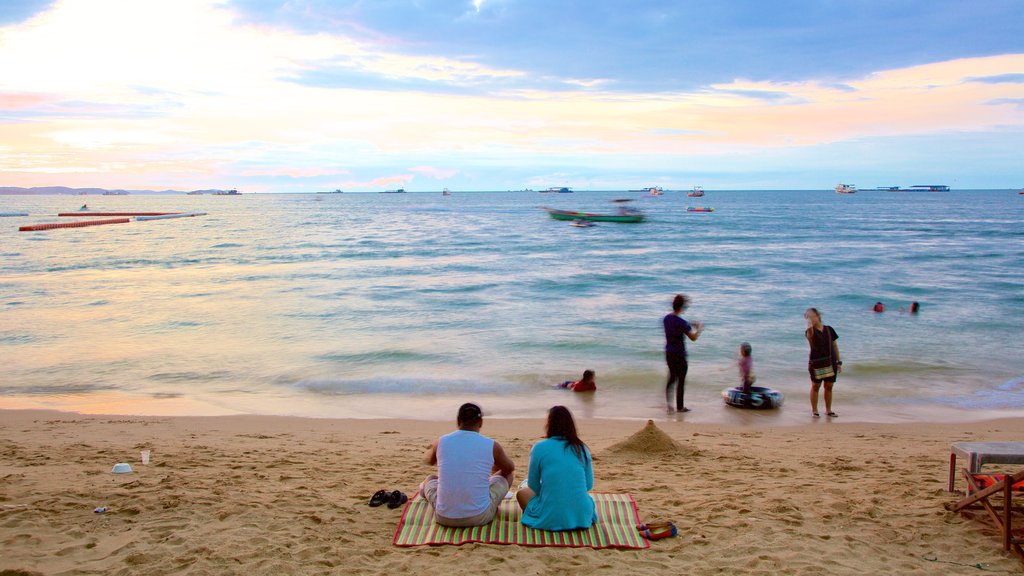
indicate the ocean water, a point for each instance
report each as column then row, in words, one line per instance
column 406, row 305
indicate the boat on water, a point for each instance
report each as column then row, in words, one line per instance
column 116, row 193
column 887, row 189
column 846, row 189
column 336, row 191
column 232, row 192
column 194, row 193
column 446, row 192
column 624, row 216
column 649, row 190
column 397, row 191
column 926, row 188
column 557, row 190
column 699, row 209
column 697, row 192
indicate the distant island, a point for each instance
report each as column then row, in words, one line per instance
column 41, row 190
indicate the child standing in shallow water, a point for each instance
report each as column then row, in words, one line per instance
column 746, row 366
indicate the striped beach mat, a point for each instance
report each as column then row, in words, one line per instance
column 615, row 527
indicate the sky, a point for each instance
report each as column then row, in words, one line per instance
column 368, row 95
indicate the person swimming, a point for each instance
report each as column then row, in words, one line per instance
column 585, row 384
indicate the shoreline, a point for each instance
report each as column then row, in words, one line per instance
column 707, row 407
column 284, row 494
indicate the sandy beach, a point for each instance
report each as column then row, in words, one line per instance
column 278, row 495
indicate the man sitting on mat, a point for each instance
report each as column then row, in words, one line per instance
column 473, row 473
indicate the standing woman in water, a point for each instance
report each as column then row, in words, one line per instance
column 677, row 330
column 824, row 363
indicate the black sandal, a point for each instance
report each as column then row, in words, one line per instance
column 379, row 497
column 832, row 415
column 396, row 499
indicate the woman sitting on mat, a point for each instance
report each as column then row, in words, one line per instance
column 560, row 475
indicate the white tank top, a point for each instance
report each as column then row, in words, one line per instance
column 464, row 463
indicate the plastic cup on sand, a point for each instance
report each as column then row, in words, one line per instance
column 145, row 456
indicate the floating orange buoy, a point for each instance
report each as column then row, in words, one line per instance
column 73, row 214
column 52, row 225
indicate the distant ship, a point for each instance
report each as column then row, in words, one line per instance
column 697, row 192
column 195, row 193
column 927, row 188
column 398, row 191
column 231, row 192
column 557, row 190
column 651, row 191
column 446, row 192
column 338, row 191
column 116, row 193
column 845, row 189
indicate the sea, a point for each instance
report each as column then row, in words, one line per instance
column 407, row 305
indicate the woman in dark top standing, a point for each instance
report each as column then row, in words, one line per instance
column 677, row 330
column 824, row 363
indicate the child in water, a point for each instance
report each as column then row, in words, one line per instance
column 746, row 366
column 585, row 384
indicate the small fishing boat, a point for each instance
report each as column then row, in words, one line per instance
column 397, row 191
column 446, row 192
column 650, row 190
column 627, row 216
column 845, row 189
column 697, row 192
column 699, row 209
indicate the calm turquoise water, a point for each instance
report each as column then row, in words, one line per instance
column 366, row 305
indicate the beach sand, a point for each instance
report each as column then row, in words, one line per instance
column 277, row 495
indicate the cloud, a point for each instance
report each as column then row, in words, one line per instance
column 110, row 83
column 1016, row 78
column 1018, row 102
column 435, row 173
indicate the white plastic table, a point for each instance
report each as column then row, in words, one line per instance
column 981, row 453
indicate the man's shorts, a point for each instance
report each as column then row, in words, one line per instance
column 498, row 489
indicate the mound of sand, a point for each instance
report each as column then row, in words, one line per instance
column 650, row 440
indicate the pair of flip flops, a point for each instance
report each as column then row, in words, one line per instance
column 393, row 499
column 657, row 530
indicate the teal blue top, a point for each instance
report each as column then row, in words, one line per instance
column 561, row 481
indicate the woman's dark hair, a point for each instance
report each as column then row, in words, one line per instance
column 680, row 302
column 561, row 424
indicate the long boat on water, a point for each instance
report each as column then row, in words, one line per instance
column 398, row 191
column 926, row 188
column 557, row 190
column 626, row 217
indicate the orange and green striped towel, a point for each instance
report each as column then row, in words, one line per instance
column 615, row 527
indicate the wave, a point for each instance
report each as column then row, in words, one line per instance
column 1009, row 394
column 415, row 386
column 190, row 376
column 383, row 357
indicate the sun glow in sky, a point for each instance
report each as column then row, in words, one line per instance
column 311, row 95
